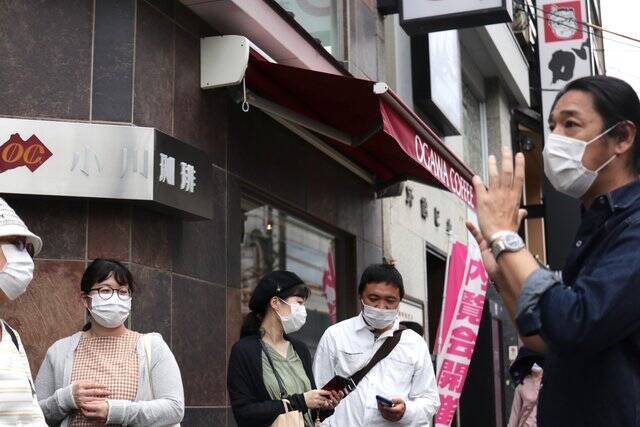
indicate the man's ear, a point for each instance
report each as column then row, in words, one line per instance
column 625, row 135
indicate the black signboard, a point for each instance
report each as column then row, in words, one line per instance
column 182, row 176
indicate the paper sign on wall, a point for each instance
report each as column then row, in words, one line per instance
column 565, row 53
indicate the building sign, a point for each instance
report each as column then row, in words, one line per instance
column 437, row 79
column 426, row 16
column 182, row 176
column 565, row 52
column 17, row 152
column 69, row 159
column 465, row 290
column 411, row 311
column 445, row 75
column 423, row 153
column 443, row 172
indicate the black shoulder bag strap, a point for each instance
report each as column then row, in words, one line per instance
column 385, row 349
column 14, row 338
column 11, row 334
column 283, row 392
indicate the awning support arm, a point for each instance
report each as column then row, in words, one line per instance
column 318, row 143
column 298, row 118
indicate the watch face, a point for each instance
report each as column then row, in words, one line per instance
column 513, row 241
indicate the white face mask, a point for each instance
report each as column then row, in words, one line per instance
column 18, row 271
column 563, row 164
column 111, row 312
column 379, row 318
column 536, row 368
column 294, row 321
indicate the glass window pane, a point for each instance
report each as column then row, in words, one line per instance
column 472, row 136
column 320, row 18
column 275, row 240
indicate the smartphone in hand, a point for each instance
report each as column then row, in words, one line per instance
column 339, row 383
column 384, row 401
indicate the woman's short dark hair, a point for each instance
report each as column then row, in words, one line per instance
column 381, row 273
column 253, row 320
column 615, row 101
column 100, row 270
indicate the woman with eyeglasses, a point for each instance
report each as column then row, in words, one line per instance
column 107, row 373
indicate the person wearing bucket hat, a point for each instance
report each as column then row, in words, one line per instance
column 18, row 245
column 18, row 401
column 267, row 365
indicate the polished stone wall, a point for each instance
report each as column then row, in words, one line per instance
column 137, row 62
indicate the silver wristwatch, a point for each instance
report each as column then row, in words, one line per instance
column 505, row 241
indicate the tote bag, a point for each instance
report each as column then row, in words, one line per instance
column 289, row 418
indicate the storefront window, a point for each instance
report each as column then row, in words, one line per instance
column 275, row 240
column 323, row 19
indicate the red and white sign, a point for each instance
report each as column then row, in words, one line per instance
column 428, row 158
column 465, row 290
column 443, row 172
column 564, row 51
column 329, row 288
column 562, row 21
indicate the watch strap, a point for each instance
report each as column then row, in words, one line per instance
column 499, row 245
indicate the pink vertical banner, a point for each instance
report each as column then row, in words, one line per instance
column 453, row 285
column 329, row 288
column 459, row 335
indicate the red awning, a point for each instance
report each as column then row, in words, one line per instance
column 364, row 121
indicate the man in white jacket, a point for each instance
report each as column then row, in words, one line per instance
column 18, row 402
column 405, row 377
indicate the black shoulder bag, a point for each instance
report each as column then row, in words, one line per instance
column 385, row 349
column 12, row 334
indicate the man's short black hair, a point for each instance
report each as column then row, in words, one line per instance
column 615, row 101
column 381, row 273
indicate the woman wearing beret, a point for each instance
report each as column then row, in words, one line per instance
column 266, row 356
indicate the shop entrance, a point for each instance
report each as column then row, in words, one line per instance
column 436, row 273
column 273, row 239
column 481, row 403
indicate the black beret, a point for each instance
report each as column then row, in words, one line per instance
column 271, row 285
column 521, row 367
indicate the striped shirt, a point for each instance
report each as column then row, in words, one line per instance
column 18, row 403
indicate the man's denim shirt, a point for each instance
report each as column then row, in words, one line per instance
column 590, row 320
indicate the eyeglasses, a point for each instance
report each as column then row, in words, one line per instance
column 105, row 293
column 19, row 242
